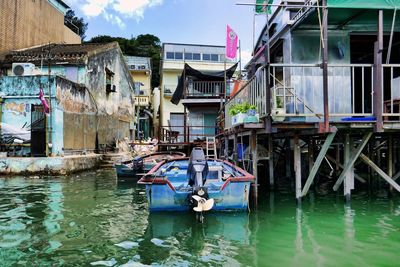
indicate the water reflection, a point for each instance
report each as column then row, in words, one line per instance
column 169, row 237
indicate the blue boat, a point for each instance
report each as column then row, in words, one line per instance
column 197, row 184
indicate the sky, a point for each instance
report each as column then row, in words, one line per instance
column 174, row 21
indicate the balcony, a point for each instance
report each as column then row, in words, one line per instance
column 298, row 90
column 142, row 101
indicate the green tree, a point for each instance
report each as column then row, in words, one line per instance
column 144, row 45
column 77, row 25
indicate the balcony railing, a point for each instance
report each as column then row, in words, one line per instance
column 205, row 89
column 142, row 101
column 298, row 90
column 176, row 134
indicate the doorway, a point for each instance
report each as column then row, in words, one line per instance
column 38, row 131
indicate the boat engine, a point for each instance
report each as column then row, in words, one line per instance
column 137, row 163
column 197, row 174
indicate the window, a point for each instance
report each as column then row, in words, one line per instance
column 196, row 56
column 170, row 55
column 178, row 55
column 188, row 56
column 214, row 57
column 109, row 80
column 206, row 57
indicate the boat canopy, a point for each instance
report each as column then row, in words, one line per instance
column 209, row 76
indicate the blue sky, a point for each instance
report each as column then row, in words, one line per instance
column 177, row 21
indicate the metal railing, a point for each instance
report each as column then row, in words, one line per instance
column 205, row 89
column 176, row 134
column 297, row 89
column 391, row 92
column 142, row 101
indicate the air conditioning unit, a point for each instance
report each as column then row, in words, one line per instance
column 142, row 67
column 23, row 69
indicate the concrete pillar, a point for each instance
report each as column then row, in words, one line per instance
column 348, row 184
column 297, row 168
column 271, row 161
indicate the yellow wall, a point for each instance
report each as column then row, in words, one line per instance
column 171, row 70
column 145, row 78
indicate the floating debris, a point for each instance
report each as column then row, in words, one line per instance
column 109, row 263
column 127, row 244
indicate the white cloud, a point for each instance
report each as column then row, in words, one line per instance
column 114, row 19
column 93, row 8
column 126, row 8
column 134, row 8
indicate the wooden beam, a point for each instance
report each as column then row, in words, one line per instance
column 354, row 155
column 318, row 162
column 358, row 177
column 380, row 172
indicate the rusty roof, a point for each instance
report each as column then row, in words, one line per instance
column 59, row 53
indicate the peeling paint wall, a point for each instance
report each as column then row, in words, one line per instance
column 81, row 109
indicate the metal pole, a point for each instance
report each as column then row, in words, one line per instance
column 325, row 65
column 378, row 80
column 268, row 122
column 240, row 61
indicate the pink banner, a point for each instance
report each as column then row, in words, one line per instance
column 231, row 43
column 44, row 102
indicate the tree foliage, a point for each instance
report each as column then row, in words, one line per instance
column 77, row 25
column 144, row 45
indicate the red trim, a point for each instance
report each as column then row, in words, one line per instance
column 247, row 177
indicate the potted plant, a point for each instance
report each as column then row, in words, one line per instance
column 238, row 113
column 279, row 111
column 252, row 114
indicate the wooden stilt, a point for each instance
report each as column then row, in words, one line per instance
column 287, row 159
column 337, row 150
column 310, row 155
column 271, row 161
column 354, row 155
column 226, row 146
column 318, row 162
column 348, row 184
column 254, row 157
column 235, row 148
column 390, row 158
column 297, row 168
column 380, row 172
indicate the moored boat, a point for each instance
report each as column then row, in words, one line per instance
column 141, row 165
column 197, row 183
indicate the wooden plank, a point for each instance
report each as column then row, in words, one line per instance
column 356, row 153
column 318, row 162
column 380, row 172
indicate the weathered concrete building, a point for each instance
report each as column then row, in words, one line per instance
column 91, row 92
column 28, row 23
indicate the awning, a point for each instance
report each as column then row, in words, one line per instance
column 200, row 76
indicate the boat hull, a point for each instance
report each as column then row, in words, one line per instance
column 235, row 196
column 167, row 186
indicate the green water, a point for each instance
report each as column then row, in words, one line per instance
column 91, row 220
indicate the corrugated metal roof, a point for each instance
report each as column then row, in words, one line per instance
column 71, row 53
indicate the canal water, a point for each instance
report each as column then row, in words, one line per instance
column 91, row 220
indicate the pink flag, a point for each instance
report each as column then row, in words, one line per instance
column 44, row 102
column 231, row 43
